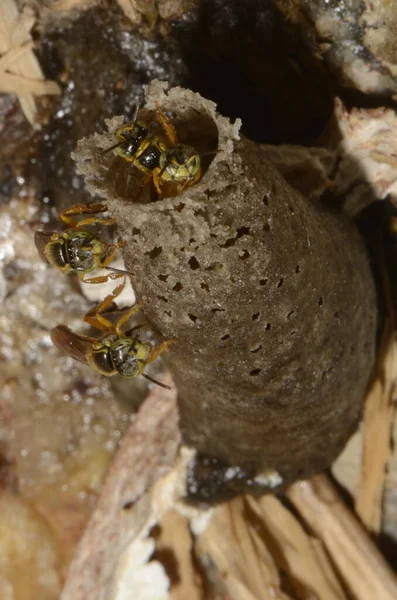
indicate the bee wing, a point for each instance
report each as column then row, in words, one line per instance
column 41, row 239
column 74, row 345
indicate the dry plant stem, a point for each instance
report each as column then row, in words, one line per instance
column 20, row 71
column 296, row 553
column 147, row 454
column 377, row 443
column 358, row 561
column 236, row 558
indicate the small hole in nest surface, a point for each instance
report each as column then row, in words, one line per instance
column 290, row 314
column 291, row 208
column 336, row 315
column 255, row 316
column 263, row 281
column 240, row 232
column 320, row 301
column 215, row 310
column 163, row 277
column 297, row 269
column 163, row 298
column 225, row 337
column 168, row 313
column 255, row 372
column 193, row 263
column 244, row 255
column 135, row 231
column 204, row 286
column 265, row 200
column 178, row 287
column 155, row 252
column 192, row 317
column 280, row 283
column 266, row 226
column 268, row 326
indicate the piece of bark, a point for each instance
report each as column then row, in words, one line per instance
column 129, row 503
column 356, row 558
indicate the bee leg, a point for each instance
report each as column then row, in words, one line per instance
column 168, row 127
column 155, row 352
column 126, row 316
column 157, row 181
column 80, row 209
column 111, row 253
column 95, row 221
column 96, row 319
column 101, row 278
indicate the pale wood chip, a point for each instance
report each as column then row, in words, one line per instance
column 358, row 561
column 26, row 79
column 15, row 54
column 138, row 489
column 174, row 549
column 297, row 553
column 66, row 5
column 377, row 437
column 16, row 84
column 236, row 557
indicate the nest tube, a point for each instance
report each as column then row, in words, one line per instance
column 269, row 297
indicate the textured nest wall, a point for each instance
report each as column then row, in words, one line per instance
column 269, row 297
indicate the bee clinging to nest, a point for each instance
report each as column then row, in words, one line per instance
column 172, row 166
column 116, row 352
column 78, row 250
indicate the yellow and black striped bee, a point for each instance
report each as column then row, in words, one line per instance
column 116, row 352
column 77, row 250
column 171, row 166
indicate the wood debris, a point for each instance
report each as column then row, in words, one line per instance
column 20, row 71
column 377, row 443
column 297, row 553
column 359, row 563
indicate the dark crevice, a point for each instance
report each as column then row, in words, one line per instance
column 154, row 253
column 194, row 263
column 255, row 372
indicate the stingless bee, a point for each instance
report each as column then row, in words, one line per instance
column 77, row 250
column 116, row 352
column 171, row 166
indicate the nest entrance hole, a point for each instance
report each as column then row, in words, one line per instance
column 196, row 130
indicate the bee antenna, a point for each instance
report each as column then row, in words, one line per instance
column 137, row 109
column 121, row 271
column 166, row 387
column 111, row 148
